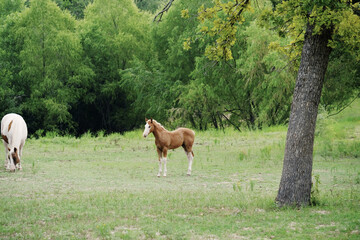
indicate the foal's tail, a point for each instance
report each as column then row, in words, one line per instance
column 193, row 153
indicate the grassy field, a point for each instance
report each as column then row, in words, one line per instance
column 105, row 187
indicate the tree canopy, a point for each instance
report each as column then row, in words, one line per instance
column 78, row 66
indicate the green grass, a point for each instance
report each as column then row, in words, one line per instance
column 106, row 187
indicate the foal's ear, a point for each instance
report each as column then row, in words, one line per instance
column 151, row 120
column 146, row 119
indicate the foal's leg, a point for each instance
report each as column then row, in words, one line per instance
column 164, row 160
column 190, row 155
column 187, row 145
column 160, row 158
column 190, row 158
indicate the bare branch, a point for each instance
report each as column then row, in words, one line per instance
column 227, row 119
column 347, row 105
column 165, row 9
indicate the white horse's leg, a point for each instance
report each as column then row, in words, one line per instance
column 8, row 164
column 21, row 148
column 8, row 161
column 6, row 155
column 11, row 164
column 190, row 158
column 18, row 166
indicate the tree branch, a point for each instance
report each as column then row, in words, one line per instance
column 165, row 9
column 345, row 106
column 231, row 122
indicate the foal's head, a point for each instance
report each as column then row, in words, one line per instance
column 149, row 127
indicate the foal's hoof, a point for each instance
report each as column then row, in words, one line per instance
column 189, row 174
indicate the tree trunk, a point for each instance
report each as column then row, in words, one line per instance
column 295, row 184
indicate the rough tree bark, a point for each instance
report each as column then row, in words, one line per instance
column 295, row 184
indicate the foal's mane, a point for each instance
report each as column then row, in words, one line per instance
column 159, row 124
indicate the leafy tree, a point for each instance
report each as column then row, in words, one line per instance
column 76, row 7
column 267, row 80
column 150, row 6
column 169, row 40
column 321, row 22
column 154, row 87
column 342, row 80
column 198, row 104
column 254, row 88
column 51, row 76
column 8, row 97
column 9, row 62
column 175, row 62
column 113, row 34
column 149, row 93
column 237, row 87
column 10, row 6
column 320, row 25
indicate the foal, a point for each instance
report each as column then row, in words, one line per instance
column 165, row 140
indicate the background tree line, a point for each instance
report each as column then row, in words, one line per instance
column 83, row 65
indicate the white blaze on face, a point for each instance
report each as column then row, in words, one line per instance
column 146, row 130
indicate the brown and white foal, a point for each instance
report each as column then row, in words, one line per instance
column 164, row 140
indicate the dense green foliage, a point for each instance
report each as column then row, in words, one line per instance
column 78, row 66
column 76, row 8
column 151, row 6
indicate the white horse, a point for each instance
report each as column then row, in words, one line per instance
column 14, row 133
